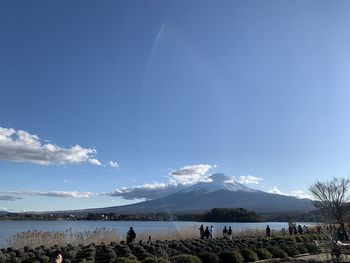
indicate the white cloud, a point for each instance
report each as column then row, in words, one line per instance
column 300, row 194
column 190, row 174
column 3, row 208
column 21, row 146
column 60, row 194
column 249, row 179
column 275, row 190
column 147, row 191
column 113, row 164
column 178, row 180
column 296, row 193
column 9, row 198
column 66, row 181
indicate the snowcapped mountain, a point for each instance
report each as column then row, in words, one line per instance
column 218, row 191
column 217, row 182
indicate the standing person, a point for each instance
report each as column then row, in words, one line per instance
column 268, row 231
column 130, row 236
column 304, row 229
column 206, row 233
column 224, row 232
column 229, row 233
column 300, row 230
column 56, row 257
column 201, row 232
column 290, row 229
column 211, row 232
column 295, row 232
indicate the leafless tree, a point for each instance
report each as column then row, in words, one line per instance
column 332, row 197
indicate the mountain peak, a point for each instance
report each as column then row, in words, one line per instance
column 216, row 182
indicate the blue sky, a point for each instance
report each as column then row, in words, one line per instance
column 167, row 92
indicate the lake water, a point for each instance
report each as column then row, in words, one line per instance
column 9, row 228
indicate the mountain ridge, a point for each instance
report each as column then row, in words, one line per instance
column 218, row 191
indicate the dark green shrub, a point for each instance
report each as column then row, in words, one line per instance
column 185, row 258
column 305, row 238
column 263, row 253
column 2, row 258
column 259, row 244
column 301, row 248
column 155, row 260
column 298, row 239
column 273, row 243
column 277, row 252
column 230, row 257
column 311, row 247
column 13, row 260
column 290, row 250
column 243, row 246
column 288, row 239
column 289, row 242
column 126, row 260
column 44, row 259
column 150, row 260
column 209, row 258
column 249, row 255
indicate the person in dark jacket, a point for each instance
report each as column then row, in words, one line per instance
column 130, row 236
column 268, row 231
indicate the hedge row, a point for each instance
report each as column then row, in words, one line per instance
column 177, row 251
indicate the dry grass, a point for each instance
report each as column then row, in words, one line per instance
column 178, row 234
column 34, row 238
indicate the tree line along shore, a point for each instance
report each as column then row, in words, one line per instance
column 214, row 215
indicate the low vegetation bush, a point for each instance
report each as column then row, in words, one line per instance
column 290, row 250
column 231, row 257
column 126, row 260
column 277, row 252
column 184, row 258
column 263, row 253
column 311, row 247
column 216, row 250
column 249, row 255
column 209, row 258
column 155, row 260
column 302, row 249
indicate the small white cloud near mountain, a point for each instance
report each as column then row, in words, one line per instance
column 249, row 179
column 147, row 191
column 296, row 193
column 275, row 190
column 21, row 146
column 301, row 194
column 190, row 174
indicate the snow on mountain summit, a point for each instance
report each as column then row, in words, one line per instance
column 217, row 182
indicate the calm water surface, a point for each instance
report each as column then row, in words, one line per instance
column 9, row 228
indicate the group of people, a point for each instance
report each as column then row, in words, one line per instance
column 294, row 230
column 227, row 233
column 205, row 233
